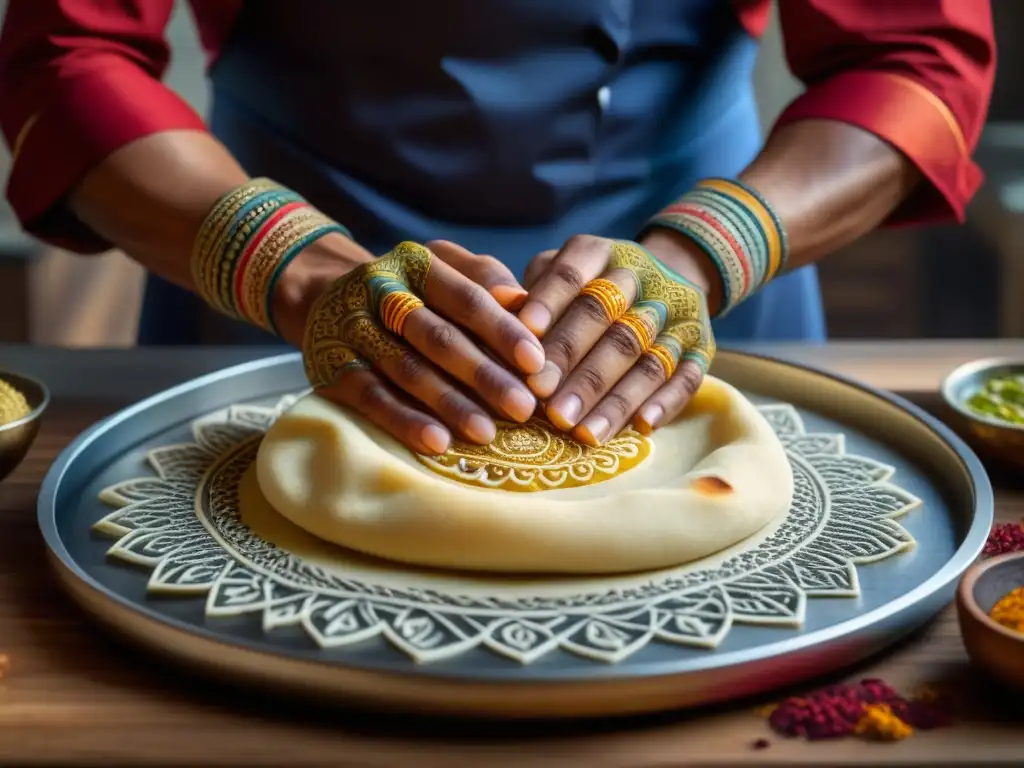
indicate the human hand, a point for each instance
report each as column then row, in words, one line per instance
column 626, row 337
column 390, row 339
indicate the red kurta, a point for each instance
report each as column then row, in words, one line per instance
column 81, row 78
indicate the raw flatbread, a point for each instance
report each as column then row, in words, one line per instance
column 708, row 480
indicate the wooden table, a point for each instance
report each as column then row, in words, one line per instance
column 73, row 696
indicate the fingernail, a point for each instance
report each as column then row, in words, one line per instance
column 434, row 439
column 536, row 317
column 480, row 429
column 546, row 382
column 564, row 412
column 648, row 418
column 594, row 430
column 508, row 295
column 529, row 356
column 518, row 404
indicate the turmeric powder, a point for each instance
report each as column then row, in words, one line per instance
column 13, row 405
column 879, row 722
column 1009, row 611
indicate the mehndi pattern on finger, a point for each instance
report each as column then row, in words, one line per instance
column 669, row 317
column 361, row 315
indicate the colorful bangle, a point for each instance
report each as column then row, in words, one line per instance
column 735, row 226
column 246, row 241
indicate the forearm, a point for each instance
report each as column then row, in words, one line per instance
column 150, row 199
column 829, row 183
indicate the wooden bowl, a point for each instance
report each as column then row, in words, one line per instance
column 16, row 437
column 997, row 649
column 990, row 437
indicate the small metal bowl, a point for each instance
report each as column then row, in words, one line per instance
column 995, row 648
column 17, row 436
column 990, row 437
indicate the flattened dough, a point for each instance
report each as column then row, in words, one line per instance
column 708, row 480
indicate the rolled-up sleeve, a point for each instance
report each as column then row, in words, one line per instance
column 78, row 80
column 916, row 73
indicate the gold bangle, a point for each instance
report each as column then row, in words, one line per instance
column 210, row 255
column 259, row 269
column 611, row 298
column 635, row 323
column 395, row 309
column 223, row 211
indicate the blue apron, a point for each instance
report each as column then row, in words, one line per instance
column 504, row 126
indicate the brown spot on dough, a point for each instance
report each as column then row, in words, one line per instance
column 711, row 486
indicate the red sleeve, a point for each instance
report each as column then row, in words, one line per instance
column 78, row 80
column 917, row 73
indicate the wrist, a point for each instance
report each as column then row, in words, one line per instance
column 682, row 255
column 308, row 276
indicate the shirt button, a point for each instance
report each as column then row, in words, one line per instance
column 604, row 98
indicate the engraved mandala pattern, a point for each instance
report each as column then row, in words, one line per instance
column 183, row 523
column 534, row 457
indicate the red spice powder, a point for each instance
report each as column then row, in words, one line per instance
column 835, row 711
column 1003, row 539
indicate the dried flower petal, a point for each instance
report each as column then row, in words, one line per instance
column 1003, row 539
column 871, row 709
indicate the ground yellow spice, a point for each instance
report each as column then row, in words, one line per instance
column 871, row 709
column 1009, row 611
column 13, row 405
column 881, row 723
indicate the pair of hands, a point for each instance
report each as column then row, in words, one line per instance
column 483, row 344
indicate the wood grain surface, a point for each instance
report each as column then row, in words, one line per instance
column 73, row 696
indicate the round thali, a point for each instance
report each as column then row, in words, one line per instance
column 141, row 516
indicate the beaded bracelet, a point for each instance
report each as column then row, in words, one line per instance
column 245, row 243
column 738, row 230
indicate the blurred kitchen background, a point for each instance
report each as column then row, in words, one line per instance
column 942, row 282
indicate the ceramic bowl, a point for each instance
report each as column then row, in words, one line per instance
column 16, row 437
column 990, row 437
column 997, row 649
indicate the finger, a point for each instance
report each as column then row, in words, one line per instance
column 485, row 270
column 618, row 407
column 414, row 374
column 616, row 352
column 537, row 267
column 581, row 260
column 665, row 404
column 451, row 350
column 366, row 393
column 468, row 304
column 581, row 327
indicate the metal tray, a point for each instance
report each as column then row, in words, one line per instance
column 894, row 596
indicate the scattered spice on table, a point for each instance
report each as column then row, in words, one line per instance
column 1004, row 538
column 870, row 709
column 1009, row 610
column 1002, row 398
column 13, row 405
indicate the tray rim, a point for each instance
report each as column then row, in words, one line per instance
column 942, row 579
